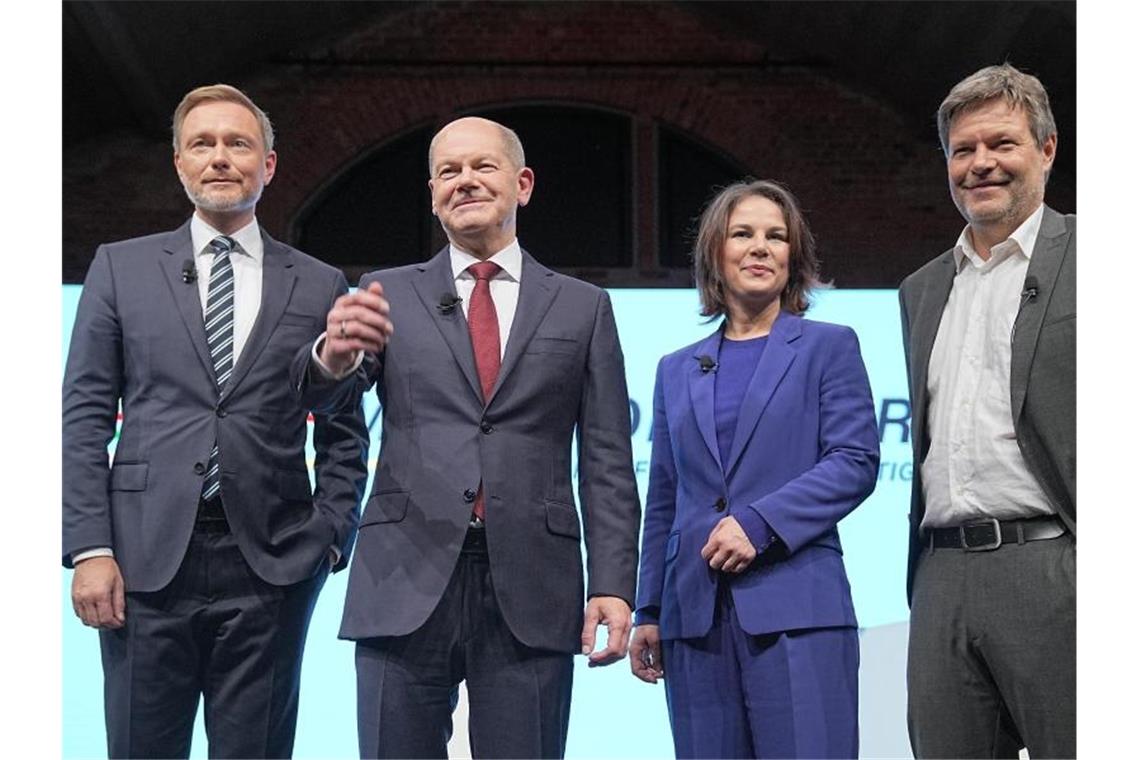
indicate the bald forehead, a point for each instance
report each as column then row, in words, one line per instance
column 474, row 130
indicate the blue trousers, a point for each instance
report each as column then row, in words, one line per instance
column 779, row 695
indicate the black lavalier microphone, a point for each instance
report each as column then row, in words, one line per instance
column 1029, row 292
column 448, row 302
column 1028, row 295
column 707, row 364
column 189, row 273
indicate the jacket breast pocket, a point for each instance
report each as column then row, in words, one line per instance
column 294, row 318
column 128, row 476
column 386, row 507
column 552, row 345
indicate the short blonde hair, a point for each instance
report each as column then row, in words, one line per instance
column 220, row 93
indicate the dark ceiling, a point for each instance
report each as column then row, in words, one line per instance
column 126, row 63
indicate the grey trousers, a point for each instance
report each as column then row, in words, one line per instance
column 992, row 659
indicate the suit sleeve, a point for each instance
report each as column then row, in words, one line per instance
column 660, row 507
column 845, row 474
column 340, row 438
column 319, row 392
column 92, row 386
column 606, row 485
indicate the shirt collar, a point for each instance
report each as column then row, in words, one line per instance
column 248, row 238
column 509, row 259
column 1024, row 236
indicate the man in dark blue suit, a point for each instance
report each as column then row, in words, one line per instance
column 200, row 550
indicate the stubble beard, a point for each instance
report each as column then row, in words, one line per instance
column 245, row 200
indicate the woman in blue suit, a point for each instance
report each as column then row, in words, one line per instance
column 764, row 438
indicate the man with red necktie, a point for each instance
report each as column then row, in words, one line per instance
column 469, row 564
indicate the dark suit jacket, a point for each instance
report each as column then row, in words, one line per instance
column 562, row 372
column 1042, row 376
column 139, row 338
column 804, row 454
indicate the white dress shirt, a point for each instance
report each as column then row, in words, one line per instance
column 974, row 469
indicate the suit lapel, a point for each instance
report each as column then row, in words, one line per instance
column 778, row 357
column 537, row 288
column 435, row 280
column 1044, row 265
column 178, row 249
column 702, row 386
column 277, row 280
column 924, row 329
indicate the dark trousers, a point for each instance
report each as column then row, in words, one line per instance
column 779, row 695
column 407, row 686
column 219, row 632
column 992, row 659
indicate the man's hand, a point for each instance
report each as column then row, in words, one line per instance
column 728, row 548
column 97, row 593
column 645, row 654
column 356, row 322
column 615, row 615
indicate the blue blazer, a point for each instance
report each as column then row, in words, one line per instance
column 804, row 454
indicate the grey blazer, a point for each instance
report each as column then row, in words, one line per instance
column 139, row 338
column 1042, row 376
column 562, row 372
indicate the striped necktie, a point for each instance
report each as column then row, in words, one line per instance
column 220, row 337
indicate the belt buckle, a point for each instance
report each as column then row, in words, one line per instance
column 993, row 524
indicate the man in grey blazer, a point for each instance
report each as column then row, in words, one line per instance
column 989, row 329
column 470, row 564
column 199, row 552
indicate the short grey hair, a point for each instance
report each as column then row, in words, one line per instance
column 220, row 93
column 512, row 145
column 1018, row 89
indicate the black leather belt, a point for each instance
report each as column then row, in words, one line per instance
column 211, row 516
column 987, row 535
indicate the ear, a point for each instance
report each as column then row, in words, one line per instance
column 178, row 167
column 1049, row 151
column 270, row 166
column 526, row 185
column 431, row 193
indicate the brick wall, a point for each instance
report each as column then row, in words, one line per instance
column 873, row 186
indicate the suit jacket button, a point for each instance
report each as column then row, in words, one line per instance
column 221, row 412
column 485, row 426
column 469, row 495
column 199, row 468
column 720, row 505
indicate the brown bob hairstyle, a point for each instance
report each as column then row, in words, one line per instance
column 803, row 266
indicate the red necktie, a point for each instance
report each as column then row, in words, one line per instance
column 483, row 323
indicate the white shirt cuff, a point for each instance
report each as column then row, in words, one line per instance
column 327, row 373
column 102, row 551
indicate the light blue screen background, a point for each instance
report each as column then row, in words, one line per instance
column 613, row 714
